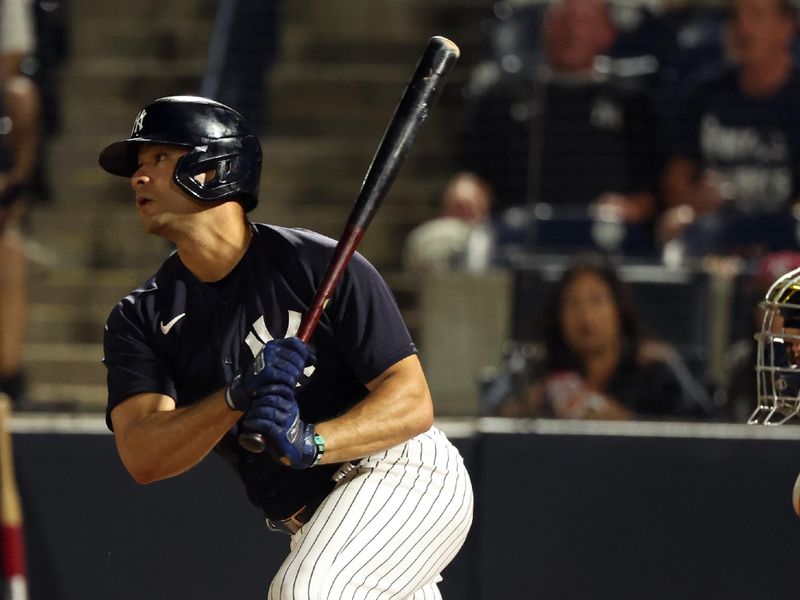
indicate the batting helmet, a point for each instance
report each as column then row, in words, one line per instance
column 219, row 139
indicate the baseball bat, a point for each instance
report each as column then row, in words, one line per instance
column 413, row 109
column 12, row 544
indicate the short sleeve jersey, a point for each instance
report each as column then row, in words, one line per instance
column 751, row 143
column 186, row 339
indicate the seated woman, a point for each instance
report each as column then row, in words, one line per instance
column 595, row 362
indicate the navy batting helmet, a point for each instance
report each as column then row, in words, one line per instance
column 219, row 139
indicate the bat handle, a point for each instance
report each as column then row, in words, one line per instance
column 252, row 441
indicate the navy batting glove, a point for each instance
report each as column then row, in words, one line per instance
column 280, row 362
column 277, row 416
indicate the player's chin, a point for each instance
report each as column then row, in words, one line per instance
column 152, row 224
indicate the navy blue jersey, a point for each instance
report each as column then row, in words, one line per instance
column 186, row 339
column 752, row 143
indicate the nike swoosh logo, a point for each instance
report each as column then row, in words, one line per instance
column 165, row 328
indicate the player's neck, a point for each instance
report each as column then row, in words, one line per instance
column 213, row 253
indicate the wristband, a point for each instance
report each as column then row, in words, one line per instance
column 319, row 442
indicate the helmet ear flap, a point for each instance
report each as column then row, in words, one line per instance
column 236, row 171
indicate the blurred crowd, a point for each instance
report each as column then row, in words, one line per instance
column 28, row 115
column 599, row 134
column 596, row 134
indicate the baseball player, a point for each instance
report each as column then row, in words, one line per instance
column 376, row 499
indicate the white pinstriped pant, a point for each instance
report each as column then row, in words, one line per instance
column 386, row 531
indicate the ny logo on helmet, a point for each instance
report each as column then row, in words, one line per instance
column 138, row 123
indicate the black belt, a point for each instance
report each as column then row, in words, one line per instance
column 293, row 523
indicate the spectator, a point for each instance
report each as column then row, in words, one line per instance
column 563, row 133
column 460, row 237
column 19, row 116
column 595, row 362
column 17, row 36
column 243, row 49
column 734, row 171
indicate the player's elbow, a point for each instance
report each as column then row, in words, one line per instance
column 141, row 473
column 141, row 467
column 422, row 419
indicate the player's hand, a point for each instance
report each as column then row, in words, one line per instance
column 280, row 362
column 276, row 416
column 564, row 392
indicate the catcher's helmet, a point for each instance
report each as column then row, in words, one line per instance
column 218, row 139
column 778, row 359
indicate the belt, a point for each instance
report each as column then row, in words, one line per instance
column 293, row 523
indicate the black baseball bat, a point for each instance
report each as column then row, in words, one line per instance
column 412, row 111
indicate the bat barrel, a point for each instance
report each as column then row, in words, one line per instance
column 412, row 111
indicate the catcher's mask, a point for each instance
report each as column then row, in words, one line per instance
column 778, row 359
column 219, row 139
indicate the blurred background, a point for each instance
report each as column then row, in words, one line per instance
column 647, row 135
column 320, row 80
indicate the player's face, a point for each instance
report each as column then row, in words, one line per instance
column 159, row 200
column 590, row 321
column 759, row 31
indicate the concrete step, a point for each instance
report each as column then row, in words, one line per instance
column 115, row 79
column 366, row 17
column 291, row 158
column 87, row 288
column 70, row 363
column 143, row 14
column 96, row 238
column 341, row 100
column 301, row 44
column 60, row 323
column 81, row 397
column 97, row 35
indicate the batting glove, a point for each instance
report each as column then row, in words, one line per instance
column 280, row 362
column 277, row 416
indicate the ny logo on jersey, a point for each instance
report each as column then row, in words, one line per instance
column 260, row 335
column 138, row 124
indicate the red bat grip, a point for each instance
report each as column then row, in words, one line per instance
column 345, row 248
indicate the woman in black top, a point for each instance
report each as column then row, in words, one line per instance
column 595, row 362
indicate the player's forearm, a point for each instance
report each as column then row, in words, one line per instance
column 397, row 408
column 166, row 443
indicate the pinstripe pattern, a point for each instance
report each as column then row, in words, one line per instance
column 387, row 531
